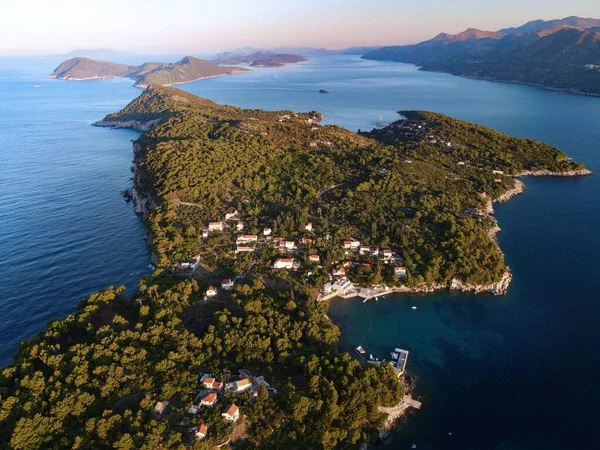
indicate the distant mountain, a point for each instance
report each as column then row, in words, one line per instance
column 93, row 53
column 561, row 56
column 537, row 25
column 158, row 73
column 258, row 59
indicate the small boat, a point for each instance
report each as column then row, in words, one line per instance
column 323, row 91
column 395, row 355
column 414, row 307
column 370, row 356
column 37, row 86
column 381, row 123
column 360, row 350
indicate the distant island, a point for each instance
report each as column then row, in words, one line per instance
column 150, row 73
column 228, row 341
column 560, row 54
column 258, row 59
column 92, row 53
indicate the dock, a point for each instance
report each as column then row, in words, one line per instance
column 399, row 363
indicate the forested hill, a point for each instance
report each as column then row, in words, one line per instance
column 562, row 54
column 406, row 186
column 258, row 59
column 157, row 73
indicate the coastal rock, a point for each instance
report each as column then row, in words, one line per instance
column 518, row 189
column 498, row 288
column 137, row 125
column 549, row 173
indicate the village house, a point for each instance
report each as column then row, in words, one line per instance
column 217, row 385
column 387, row 253
column 193, row 410
column 232, row 413
column 227, row 284
column 309, row 227
column 364, row 249
column 290, row 245
column 215, row 226
column 354, row 245
column 208, row 383
column 200, row 431
column 246, row 238
column 284, row 263
column 231, row 215
column 314, row 258
column 267, row 231
column 161, row 407
column 204, row 233
column 239, row 225
column 244, row 249
column 209, row 400
column 211, row 292
column 306, row 241
column 400, row 271
column 375, row 251
column 347, row 244
column 341, row 272
column 242, row 385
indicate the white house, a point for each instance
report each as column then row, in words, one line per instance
column 267, row 232
column 314, row 258
column 341, row 272
column 400, row 271
column 387, row 253
column 227, row 284
column 209, row 400
column 231, row 215
column 239, row 225
column 364, row 249
column 243, row 385
column 289, row 245
column 347, row 244
column 211, row 291
column 354, row 245
column 244, row 249
column 284, row 263
column 205, row 233
column 246, row 238
column 208, row 383
column 309, row 227
column 200, row 431
column 215, row 226
column 232, row 413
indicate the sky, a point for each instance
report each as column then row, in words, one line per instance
column 200, row 26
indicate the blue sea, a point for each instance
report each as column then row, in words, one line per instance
column 515, row 372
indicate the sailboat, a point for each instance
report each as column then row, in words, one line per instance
column 381, row 123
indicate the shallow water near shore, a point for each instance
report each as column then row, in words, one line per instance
column 516, row 372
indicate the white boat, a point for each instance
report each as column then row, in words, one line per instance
column 371, row 356
column 395, row 355
column 414, row 307
column 360, row 350
column 37, row 86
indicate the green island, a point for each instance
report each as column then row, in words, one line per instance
column 252, row 218
column 150, row 73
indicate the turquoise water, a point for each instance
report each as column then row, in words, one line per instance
column 517, row 372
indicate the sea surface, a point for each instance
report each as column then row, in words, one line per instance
column 516, row 372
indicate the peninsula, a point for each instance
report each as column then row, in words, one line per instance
column 226, row 342
column 258, row 59
column 157, row 73
column 559, row 54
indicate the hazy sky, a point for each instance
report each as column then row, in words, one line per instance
column 196, row 26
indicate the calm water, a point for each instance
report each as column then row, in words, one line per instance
column 517, row 372
column 65, row 230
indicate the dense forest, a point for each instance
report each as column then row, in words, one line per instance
column 412, row 185
column 93, row 379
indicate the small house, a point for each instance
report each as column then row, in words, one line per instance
column 347, row 244
column 200, row 431
column 239, row 225
column 227, row 284
column 231, row 215
column 208, row 383
column 244, row 249
column 217, row 385
column 209, row 400
column 205, row 233
column 284, row 263
column 243, row 385
column 314, row 258
column 211, row 292
column 308, row 227
column 267, row 231
column 364, row 249
column 290, row 245
column 161, row 407
column 232, row 413
column 387, row 253
column 355, row 245
column 400, row 271
column 215, row 226
column 246, row 238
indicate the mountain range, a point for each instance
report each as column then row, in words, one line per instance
column 157, row 73
column 559, row 54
